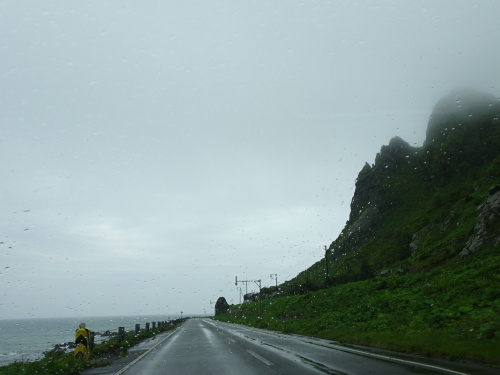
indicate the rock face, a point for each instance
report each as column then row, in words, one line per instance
column 364, row 214
column 368, row 192
column 364, row 208
column 485, row 230
column 221, row 306
column 367, row 205
column 392, row 155
column 461, row 134
column 414, row 207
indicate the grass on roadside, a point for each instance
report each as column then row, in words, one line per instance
column 450, row 313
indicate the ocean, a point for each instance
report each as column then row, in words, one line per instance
column 24, row 340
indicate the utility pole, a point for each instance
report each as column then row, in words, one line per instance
column 259, row 284
column 260, row 296
column 326, row 263
column 276, row 277
column 241, row 294
column 245, row 282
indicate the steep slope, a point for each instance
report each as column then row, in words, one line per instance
column 416, row 208
column 416, row 268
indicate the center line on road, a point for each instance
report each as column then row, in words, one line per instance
column 262, row 359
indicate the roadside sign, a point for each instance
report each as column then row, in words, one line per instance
column 82, row 342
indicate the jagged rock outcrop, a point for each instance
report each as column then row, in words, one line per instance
column 368, row 192
column 458, row 138
column 367, row 205
column 392, row 155
column 364, row 213
column 488, row 213
column 413, row 209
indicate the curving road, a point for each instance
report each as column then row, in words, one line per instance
column 203, row 346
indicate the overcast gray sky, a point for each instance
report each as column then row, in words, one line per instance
column 152, row 151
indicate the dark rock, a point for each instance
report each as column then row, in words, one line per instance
column 58, row 349
column 392, row 155
column 368, row 192
column 493, row 189
column 221, row 306
column 63, row 348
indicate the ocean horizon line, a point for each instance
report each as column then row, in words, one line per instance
column 187, row 315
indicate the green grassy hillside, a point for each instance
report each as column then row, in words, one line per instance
column 416, row 267
column 449, row 313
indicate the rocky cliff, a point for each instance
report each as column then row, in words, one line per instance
column 420, row 207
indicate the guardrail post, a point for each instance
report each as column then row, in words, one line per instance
column 121, row 334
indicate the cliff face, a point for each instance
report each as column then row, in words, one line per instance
column 412, row 196
column 372, row 197
column 369, row 193
column 487, row 229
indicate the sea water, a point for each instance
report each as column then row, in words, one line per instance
column 24, row 340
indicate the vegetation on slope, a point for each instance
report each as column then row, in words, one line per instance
column 416, row 267
column 450, row 313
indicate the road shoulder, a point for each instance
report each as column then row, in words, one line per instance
column 118, row 364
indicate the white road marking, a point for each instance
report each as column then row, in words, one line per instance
column 123, row 369
column 392, row 359
column 209, row 335
column 319, row 342
column 262, row 359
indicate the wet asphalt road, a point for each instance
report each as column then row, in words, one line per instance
column 203, row 346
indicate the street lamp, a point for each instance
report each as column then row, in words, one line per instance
column 326, row 265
